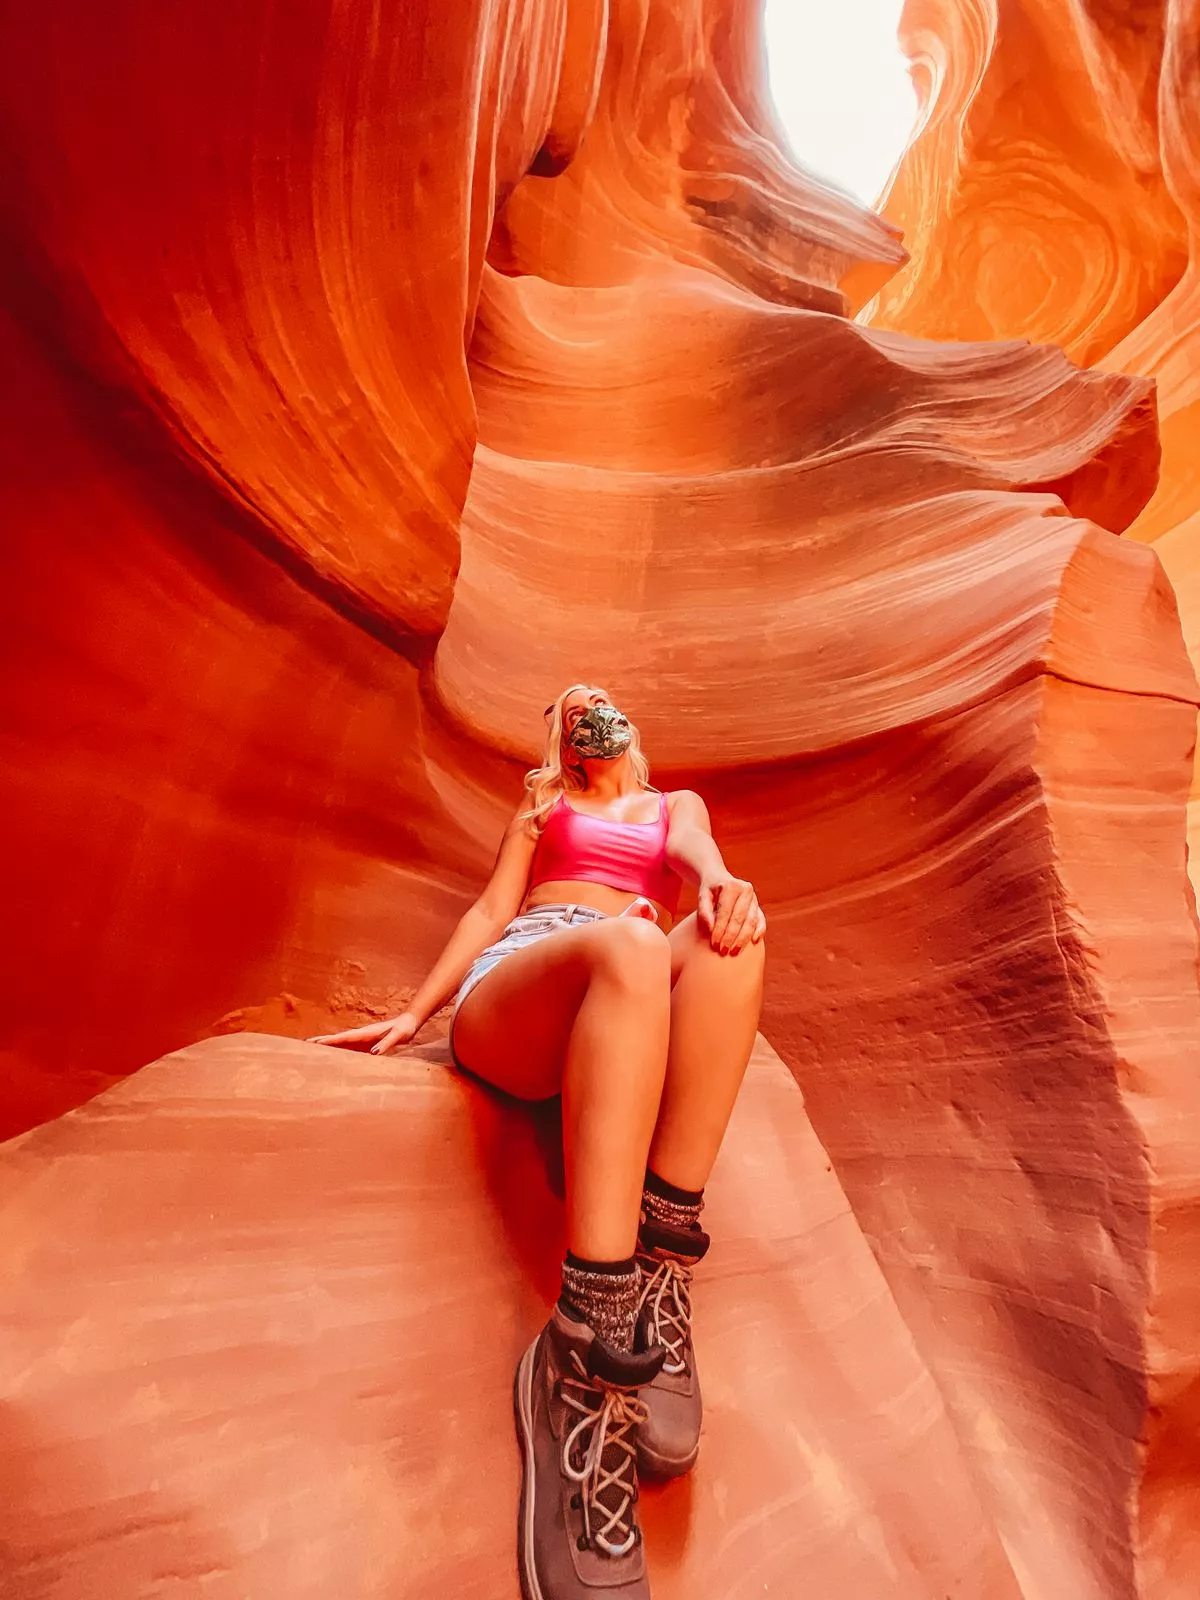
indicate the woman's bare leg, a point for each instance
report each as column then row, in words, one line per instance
column 587, row 1009
column 715, row 1004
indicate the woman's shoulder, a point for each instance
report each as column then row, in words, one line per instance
column 684, row 802
column 523, row 825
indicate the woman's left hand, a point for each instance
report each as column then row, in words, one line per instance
column 728, row 910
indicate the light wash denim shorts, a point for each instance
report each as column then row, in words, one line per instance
column 521, row 932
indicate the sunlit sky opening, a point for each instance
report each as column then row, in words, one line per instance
column 841, row 87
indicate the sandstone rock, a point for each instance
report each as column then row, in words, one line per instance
column 265, row 1305
column 1033, row 202
column 235, row 211
column 1055, row 194
column 210, row 790
column 288, row 319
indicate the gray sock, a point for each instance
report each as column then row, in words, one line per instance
column 603, row 1294
column 664, row 1202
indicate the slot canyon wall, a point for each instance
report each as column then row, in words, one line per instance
column 1053, row 192
column 369, row 375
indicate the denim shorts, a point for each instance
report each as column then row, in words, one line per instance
column 521, row 932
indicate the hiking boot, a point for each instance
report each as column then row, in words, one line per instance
column 668, row 1441
column 577, row 1407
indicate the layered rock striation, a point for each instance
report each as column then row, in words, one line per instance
column 1053, row 193
column 368, row 379
column 270, row 1302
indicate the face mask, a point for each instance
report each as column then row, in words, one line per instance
column 603, row 734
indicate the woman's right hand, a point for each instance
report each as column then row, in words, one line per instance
column 379, row 1037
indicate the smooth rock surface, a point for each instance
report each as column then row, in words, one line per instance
column 298, row 314
column 208, row 801
column 1054, row 193
column 265, row 1302
column 230, row 211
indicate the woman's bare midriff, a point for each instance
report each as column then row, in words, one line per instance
column 597, row 895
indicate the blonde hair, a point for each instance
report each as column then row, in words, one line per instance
column 554, row 777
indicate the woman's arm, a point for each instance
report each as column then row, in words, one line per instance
column 483, row 923
column 726, row 907
column 479, row 926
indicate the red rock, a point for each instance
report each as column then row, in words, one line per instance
column 1033, row 202
column 268, row 287
column 209, row 795
column 265, row 1306
column 1055, row 194
column 234, row 211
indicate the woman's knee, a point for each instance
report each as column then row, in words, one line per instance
column 633, row 950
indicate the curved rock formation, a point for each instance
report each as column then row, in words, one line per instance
column 235, row 211
column 1033, row 201
column 262, row 726
column 1165, row 344
column 291, row 1363
column 1055, row 193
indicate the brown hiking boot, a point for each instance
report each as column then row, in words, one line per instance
column 668, row 1441
column 577, row 1407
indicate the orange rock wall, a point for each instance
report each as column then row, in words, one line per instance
column 341, row 434
column 1034, row 201
column 234, row 211
column 292, row 1309
column 1055, row 193
column 207, row 801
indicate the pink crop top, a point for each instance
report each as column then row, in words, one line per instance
column 624, row 855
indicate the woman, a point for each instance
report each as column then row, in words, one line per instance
column 646, row 1033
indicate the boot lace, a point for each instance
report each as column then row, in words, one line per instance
column 607, row 1414
column 667, row 1300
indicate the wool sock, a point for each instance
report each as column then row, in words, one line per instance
column 666, row 1203
column 604, row 1294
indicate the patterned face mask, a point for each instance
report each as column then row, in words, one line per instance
column 602, row 734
